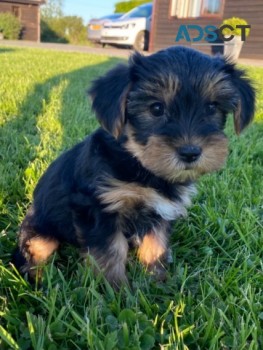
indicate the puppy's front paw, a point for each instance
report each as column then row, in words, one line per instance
column 158, row 271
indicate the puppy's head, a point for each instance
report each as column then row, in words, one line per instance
column 171, row 108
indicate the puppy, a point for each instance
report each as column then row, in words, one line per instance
column 162, row 120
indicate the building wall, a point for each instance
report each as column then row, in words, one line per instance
column 165, row 28
column 28, row 15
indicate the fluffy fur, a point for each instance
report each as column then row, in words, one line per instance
column 162, row 119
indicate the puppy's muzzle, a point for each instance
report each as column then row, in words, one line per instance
column 189, row 153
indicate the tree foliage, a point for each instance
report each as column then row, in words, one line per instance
column 125, row 6
column 66, row 29
column 52, row 9
column 55, row 27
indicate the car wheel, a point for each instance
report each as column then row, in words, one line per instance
column 142, row 41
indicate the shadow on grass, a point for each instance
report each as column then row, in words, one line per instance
column 23, row 144
column 6, row 49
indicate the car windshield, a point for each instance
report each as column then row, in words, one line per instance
column 141, row 11
column 113, row 16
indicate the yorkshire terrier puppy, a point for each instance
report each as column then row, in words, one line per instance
column 162, row 120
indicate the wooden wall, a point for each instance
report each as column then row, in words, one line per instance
column 165, row 28
column 28, row 16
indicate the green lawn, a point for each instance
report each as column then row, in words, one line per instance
column 213, row 297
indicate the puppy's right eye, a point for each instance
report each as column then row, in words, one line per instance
column 157, row 109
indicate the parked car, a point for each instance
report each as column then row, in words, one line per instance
column 95, row 25
column 132, row 29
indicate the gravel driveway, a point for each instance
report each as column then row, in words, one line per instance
column 108, row 50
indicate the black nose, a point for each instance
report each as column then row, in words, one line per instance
column 189, row 153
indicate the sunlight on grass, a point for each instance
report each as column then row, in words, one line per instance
column 49, row 128
column 7, row 338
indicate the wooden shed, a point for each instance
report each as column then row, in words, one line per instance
column 168, row 15
column 28, row 12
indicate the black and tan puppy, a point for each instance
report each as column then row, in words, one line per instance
column 162, row 120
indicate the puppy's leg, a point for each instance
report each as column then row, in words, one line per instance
column 33, row 250
column 152, row 250
column 112, row 259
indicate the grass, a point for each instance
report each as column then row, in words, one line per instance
column 212, row 298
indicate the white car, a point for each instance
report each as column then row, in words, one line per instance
column 96, row 24
column 132, row 29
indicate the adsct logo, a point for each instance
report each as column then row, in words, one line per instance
column 194, row 33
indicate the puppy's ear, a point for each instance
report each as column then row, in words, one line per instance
column 245, row 108
column 108, row 95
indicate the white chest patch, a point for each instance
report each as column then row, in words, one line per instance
column 123, row 197
column 170, row 210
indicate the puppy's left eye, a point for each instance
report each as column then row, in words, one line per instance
column 157, row 109
column 211, row 108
